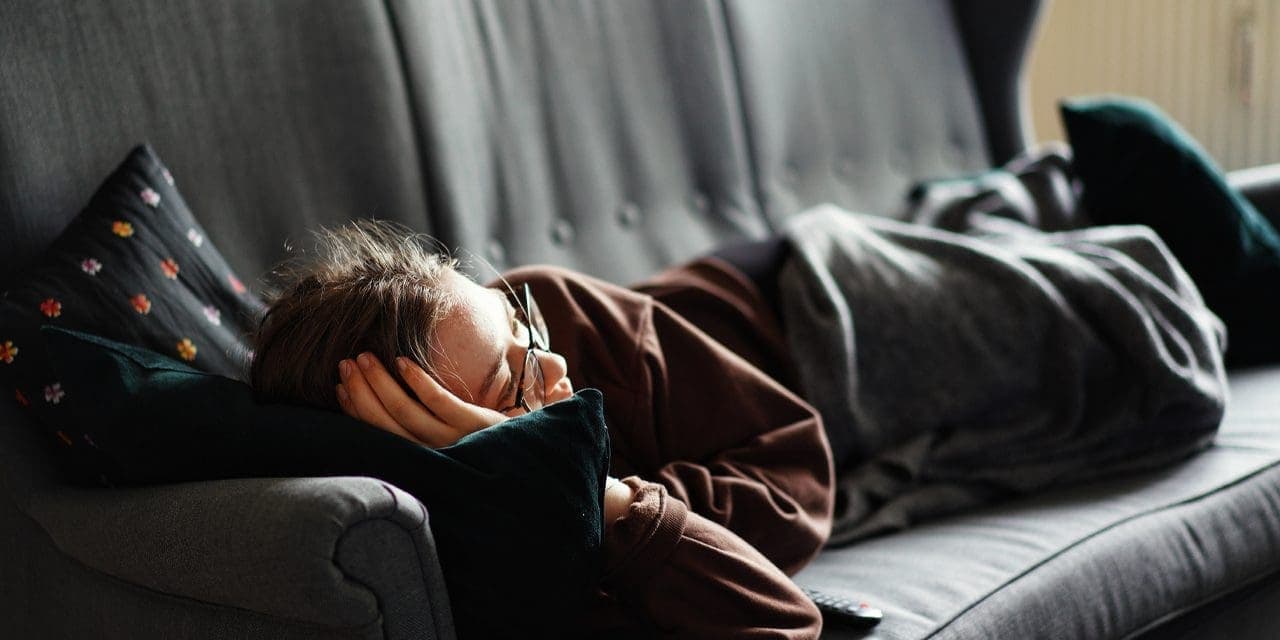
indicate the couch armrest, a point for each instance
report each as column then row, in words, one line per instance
column 1261, row 185
column 343, row 552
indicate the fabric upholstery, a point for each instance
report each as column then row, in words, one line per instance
column 847, row 103
column 278, row 116
column 479, row 123
column 1247, row 613
column 1098, row 561
column 996, row 37
column 278, row 525
column 206, row 559
column 401, row 586
column 603, row 137
column 80, row 582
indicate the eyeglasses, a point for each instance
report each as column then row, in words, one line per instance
column 531, row 390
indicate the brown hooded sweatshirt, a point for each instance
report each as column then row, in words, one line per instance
column 731, row 471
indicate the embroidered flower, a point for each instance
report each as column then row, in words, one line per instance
column 53, row 393
column 90, row 266
column 8, row 351
column 63, row 437
column 51, row 308
column 187, row 350
column 235, row 283
column 170, row 268
column 213, row 314
column 122, row 228
column 150, row 197
column 140, row 303
column 195, row 237
column 22, row 400
column 168, row 177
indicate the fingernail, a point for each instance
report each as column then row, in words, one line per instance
column 342, row 394
column 401, row 363
column 365, row 361
column 344, row 369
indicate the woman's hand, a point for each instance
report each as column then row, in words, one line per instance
column 437, row 418
column 617, row 499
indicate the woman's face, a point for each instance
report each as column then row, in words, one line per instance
column 480, row 348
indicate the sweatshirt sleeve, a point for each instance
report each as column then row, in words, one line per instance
column 726, row 439
column 691, row 578
column 741, row 450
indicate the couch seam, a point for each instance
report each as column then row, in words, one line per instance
column 417, row 550
column 415, row 119
column 1056, row 554
column 1161, row 620
column 743, row 120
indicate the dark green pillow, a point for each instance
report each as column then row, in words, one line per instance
column 1138, row 166
column 515, row 508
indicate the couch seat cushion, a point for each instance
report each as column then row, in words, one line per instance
column 1101, row 560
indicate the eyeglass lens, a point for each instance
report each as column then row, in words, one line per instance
column 535, row 385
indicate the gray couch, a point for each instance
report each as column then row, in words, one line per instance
column 611, row 137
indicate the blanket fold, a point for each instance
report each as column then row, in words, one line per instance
column 956, row 365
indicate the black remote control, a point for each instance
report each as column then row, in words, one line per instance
column 837, row 610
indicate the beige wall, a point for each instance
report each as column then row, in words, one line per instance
column 1207, row 63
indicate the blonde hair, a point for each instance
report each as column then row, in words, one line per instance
column 371, row 285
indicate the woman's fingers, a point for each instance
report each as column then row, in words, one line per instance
column 348, row 407
column 450, row 408
column 397, row 403
column 362, row 403
column 436, row 418
column 378, row 399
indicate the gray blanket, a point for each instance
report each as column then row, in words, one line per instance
column 954, row 368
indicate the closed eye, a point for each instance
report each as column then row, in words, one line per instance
column 509, row 392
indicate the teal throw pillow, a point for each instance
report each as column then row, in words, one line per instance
column 1138, row 166
column 515, row 508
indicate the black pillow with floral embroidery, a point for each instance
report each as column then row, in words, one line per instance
column 134, row 266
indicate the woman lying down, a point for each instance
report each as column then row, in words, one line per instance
column 938, row 365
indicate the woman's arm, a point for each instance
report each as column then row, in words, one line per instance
column 744, row 452
column 677, row 572
column 691, row 578
column 683, row 410
column 723, row 437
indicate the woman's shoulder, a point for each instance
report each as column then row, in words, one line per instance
column 548, row 281
column 552, row 273
column 583, row 307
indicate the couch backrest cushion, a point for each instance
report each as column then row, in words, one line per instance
column 603, row 136
column 278, row 115
column 611, row 137
column 849, row 103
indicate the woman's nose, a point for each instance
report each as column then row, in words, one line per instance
column 556, row 377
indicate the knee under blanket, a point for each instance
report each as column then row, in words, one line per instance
column 953, row 368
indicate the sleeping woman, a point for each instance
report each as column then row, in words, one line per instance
column 935, row 370
column 721, row 478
